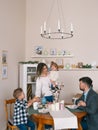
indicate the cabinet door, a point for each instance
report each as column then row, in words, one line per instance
column 31, row 75
column 31, row 82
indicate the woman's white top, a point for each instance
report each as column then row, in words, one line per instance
column 43, row 87
column 54, row 75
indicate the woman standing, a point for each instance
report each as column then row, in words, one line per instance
column 43, row 83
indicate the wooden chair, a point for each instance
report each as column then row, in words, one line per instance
column 9, row 104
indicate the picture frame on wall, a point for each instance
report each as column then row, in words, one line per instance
column 60, row 62
column 53, row 51
column 4, row 56
column 38, row 50
column 4, row 71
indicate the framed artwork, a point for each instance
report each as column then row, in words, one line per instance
column 60, row 63
column 4, row 71
column 63, row 52
column 38, row 50
column 53, row 51
column 4, row 57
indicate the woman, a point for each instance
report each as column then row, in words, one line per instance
column 43, row 83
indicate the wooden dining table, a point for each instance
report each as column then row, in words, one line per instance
column 46, row 119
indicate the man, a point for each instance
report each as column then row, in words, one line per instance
column 88, row 102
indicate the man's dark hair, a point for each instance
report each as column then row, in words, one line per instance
column 87, row 80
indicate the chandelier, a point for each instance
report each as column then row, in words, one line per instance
column 60, row 32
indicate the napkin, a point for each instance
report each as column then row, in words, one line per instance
column 64, row 119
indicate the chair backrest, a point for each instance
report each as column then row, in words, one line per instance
column 9, row 104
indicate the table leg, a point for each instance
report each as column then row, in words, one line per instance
column 79, row 124
column 40, row 126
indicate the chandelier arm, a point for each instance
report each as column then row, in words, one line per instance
column 63, row 19
column 58, row 10
column 50, row 12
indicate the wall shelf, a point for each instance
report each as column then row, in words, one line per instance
column 52, row 56
column 79, row 69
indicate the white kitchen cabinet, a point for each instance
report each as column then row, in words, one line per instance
column 27, row 79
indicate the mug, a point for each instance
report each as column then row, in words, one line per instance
column 35, row 105
column 74, row 100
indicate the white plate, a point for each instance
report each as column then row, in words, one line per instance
column 72, row 106
column 43, row 110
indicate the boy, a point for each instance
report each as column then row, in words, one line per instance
column 20, row 110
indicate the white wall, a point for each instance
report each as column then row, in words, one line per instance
column 12, row 39
column 83, row 14
column 71, row 82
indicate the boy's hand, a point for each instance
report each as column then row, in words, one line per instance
column 29, row 104
column 35, row 99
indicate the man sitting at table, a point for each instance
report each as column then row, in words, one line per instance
column 88, row 102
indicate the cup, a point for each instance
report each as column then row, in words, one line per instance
column 35, row 105
column 62, row 105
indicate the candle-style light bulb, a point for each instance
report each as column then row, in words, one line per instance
column 41, row 30
column 44, row 26
column 49, row 32
column 58, row 25
column 62, row 35
column 71, row 26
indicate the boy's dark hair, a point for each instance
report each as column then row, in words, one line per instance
column 17, row 92
column 87, row 80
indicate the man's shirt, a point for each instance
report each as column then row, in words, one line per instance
column 85, row 95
